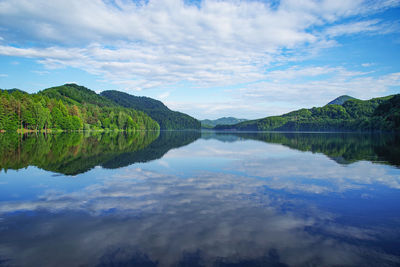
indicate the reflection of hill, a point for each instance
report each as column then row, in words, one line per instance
column 74, row 153
column 68, row 153
column 166, row 141
column 344, row 148
column 220, row 136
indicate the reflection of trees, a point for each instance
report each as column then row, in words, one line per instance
column 165, row 142
column 344, row 148
column 74, row 153
column 71, row 153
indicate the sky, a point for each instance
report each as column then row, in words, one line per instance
column 207, row 58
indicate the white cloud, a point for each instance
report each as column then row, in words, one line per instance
column 290, row 89
column 145, row 45
column 357, row 27
column 164, row 95
column 302, row 87
column 365, row 65
column 213, row 109
column 41, row 72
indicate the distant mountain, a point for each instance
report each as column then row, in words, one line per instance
column 340, row 100
column 377, row 114
column 223, row 120
column 166, row 118
column 10, row 91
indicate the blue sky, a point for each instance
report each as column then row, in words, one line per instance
column 247, row 59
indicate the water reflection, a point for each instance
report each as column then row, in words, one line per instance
column 212, row 203
column 212, row 219
column 344, row 148
column 74, row 153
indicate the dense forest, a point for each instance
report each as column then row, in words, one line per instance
column 67, row 108
column 166, row 118
column 377, row 114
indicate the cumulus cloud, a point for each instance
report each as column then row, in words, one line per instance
column 316, row 85
column 291, row 89
column 147, row 44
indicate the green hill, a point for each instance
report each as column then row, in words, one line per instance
column 10, row 91
column 220, row 121
column 69, row 107
column 166, row 118
column 377, row 114
column 75, row 94
column 340, row 100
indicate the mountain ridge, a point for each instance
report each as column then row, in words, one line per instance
column 223, row 120
column 340, row 100
column 376, row 114
column 166, row 118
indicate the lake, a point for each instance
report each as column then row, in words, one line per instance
column 200, row 199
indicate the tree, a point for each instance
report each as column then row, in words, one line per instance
column 57, row 117
column 130, row 124
column 122, row 118
column 62, row 108
column 40, row 115
column 76, row 123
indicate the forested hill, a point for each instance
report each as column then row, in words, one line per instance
column 340, row 100
column 69, row 108
column 377, row 114
column 166, row 118
column 75, row 94
column 223, row 120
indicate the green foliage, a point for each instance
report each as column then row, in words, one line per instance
column 75, row 94
column 69, row 108
column 377, row 114
column 76, row 123
column 166, row 118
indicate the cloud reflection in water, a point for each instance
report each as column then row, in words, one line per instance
column 145, row 216
column 259, row 204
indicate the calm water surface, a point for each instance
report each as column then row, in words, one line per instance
column 200, row 199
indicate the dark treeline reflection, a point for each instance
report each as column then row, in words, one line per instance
column 166, row 141
column 344, row 148
column 74, row 153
